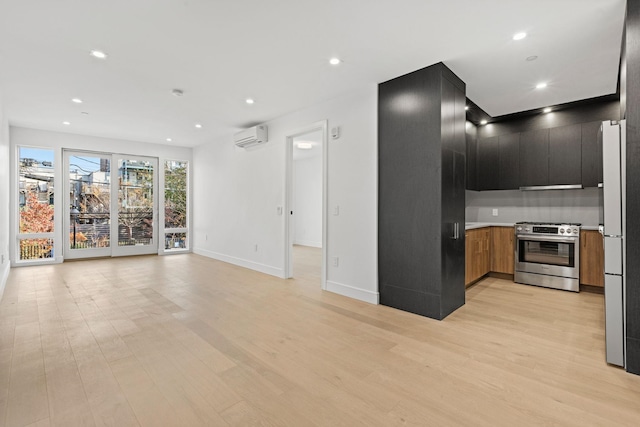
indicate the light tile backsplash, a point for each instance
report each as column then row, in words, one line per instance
column 583, row 206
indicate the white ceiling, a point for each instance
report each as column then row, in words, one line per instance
column 221, row 52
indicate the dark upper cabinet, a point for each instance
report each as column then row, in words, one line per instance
column 472, row 163
column 471, row 137
column 520, row 152
column 488, row 163
column 565, row 155
column 509, row 162
column 534, row 157
column 591, row 154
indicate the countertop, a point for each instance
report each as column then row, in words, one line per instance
column 474, row 225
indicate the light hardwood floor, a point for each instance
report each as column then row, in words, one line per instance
column 186, row 341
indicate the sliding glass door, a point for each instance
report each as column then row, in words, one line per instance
column 88, row 215
column 111, row 205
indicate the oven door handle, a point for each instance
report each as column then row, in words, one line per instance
column 548, row 238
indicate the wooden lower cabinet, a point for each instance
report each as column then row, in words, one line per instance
column 591, row 258
column 502, row 249
column 492, row 249
column 477, row 253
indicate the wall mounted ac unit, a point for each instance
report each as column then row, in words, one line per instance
column 252, row 136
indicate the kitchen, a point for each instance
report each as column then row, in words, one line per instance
column 533, row 199
column 514, row 177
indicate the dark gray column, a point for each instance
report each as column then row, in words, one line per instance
column 422, row 163
column 631, row 81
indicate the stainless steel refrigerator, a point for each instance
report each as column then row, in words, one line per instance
column 613, row 180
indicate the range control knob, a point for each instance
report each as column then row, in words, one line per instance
column 575, row 231
column 562, row 230
column 527, row 229
column 519, row 228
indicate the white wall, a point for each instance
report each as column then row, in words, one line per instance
column 237, row 192
column 307, row 206
column 4, row 199
column 583, row 206
column 58, row 140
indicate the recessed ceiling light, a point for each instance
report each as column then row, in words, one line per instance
column 519, row 36
column 99, row 54
column 532, row 58
column 541, row 85
column 466, row 108
column 249, row 101
column 483, row 122
column 169, row 139
column 334, row 61
column 198, row 126
column 547, row 110
column 304, row 145
column 66, row 123
column 77, row 100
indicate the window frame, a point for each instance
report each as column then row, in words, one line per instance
column 168, row 230
column 16, row 234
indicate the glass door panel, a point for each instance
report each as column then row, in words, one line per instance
column 110, row 205
column 88, row 219
column 136, row 206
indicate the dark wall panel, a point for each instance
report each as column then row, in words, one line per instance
column 622, row 83
column 632, row 85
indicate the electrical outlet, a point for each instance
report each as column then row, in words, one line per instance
column 495, row 212
column 336, row 261
column 336, row 210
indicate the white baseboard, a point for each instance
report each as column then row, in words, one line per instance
column 4, row 275
column 267, row 269
column 308, row 243
column 351, row 292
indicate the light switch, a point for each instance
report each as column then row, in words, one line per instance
column 279, row 210
column 495, row 212
column 336, row 210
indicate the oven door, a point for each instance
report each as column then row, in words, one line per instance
column 552, row 255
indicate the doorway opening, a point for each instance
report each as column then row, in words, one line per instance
column 305, row 206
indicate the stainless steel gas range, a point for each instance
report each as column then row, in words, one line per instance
column 548, row 254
